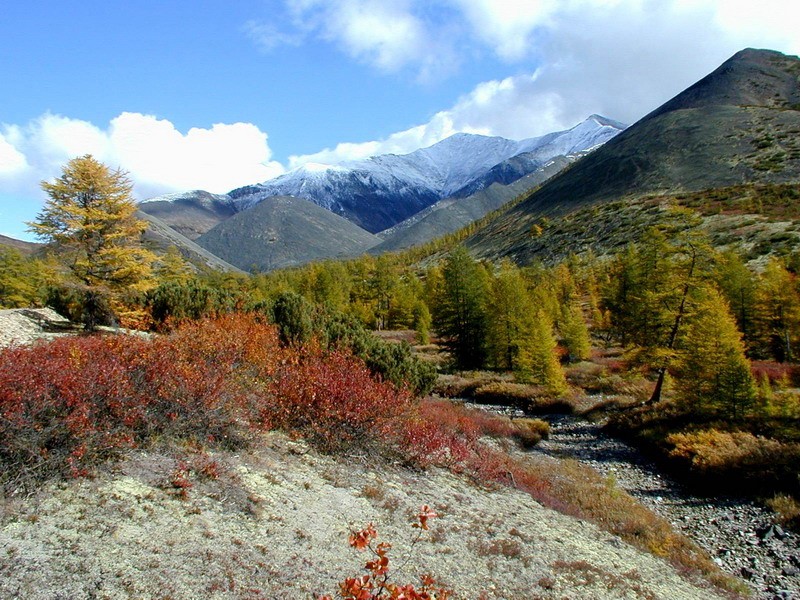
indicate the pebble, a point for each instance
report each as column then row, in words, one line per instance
column 737, row 532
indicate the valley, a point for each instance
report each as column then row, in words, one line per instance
column 250, row 378
column 737, row 532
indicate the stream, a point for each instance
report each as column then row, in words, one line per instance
column 737, row 532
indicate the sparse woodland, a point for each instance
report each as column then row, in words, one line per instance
column 690, row 349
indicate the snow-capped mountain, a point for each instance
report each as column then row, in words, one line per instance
column 382, row 191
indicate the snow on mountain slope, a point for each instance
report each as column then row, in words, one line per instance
column 382, row 191
column 379, row 192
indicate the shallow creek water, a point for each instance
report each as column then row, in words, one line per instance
column 737, row 532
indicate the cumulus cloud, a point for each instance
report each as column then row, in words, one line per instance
column 11, row 160
column 386, row 35
column 421, row 33
column 158, row 157
column 619, row 58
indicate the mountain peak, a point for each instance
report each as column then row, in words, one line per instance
column 379, row 192
column 751, row 77
column 604, row 121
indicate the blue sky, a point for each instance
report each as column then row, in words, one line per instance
column 215, row 95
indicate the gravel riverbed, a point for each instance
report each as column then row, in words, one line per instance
column 737, row 532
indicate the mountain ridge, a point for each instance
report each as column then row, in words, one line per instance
column 381, row 191
column 283, row 231
column 700, row 139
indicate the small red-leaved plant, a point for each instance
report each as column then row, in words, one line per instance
column 376, row 584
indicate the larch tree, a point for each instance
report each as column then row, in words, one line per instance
column 739, row 286
column 713, row 375
column 90, row 218
column 171, row 267
column 574, row 332
column 537, row 361
column 460, row 308
column 777, row 321
column 511, row 306
column 650, row 291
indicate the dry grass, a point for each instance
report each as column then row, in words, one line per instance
column 585, row 494
column 530, row 432
column 787, row 510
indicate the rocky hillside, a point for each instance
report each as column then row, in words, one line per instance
column 451, row 214
column 283, row 232
column 273, row 523
column 739, row 125
column 191, row 213
column 20, row 245
column 161, row 236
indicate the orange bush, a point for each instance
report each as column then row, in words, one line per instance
column 377, row 583
column 68, row 404
column 714, row 449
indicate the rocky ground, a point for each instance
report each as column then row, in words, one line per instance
column 274, row 523
column 737, row 532
column 25, row 325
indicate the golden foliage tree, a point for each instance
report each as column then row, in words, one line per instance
column 713, row 374
column 90, row 218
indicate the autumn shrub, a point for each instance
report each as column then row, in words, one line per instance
column 585, row 374
column 426, row 442
column 775, row 372
column 332, row 399
column 530, row 432
column 584, row 493
column 506, row 392
column 67, row 405
column 74, row 402
column 464, row 384
column 377, row 583
column 736, row 457
column 786, row 509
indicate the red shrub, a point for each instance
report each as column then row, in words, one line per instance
column 68, row 404
column 775, row 371
column 72, row 402
column 332, row 398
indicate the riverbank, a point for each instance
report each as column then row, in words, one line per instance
column 738, row 532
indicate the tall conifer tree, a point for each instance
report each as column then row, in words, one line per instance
column 90, row 217
column 713, row 375
column 460, row 309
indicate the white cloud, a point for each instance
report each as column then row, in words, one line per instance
column 510, row 108
column 770, row 23
column 387, row 35
column 11, row 160
column 267, row 36
column 506, row 27
column 619, row 58
column 435, row 36
column 158, row 157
